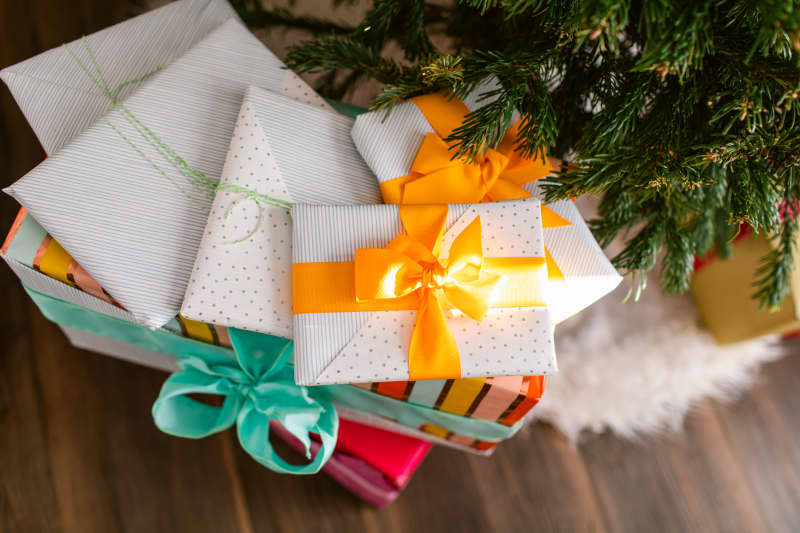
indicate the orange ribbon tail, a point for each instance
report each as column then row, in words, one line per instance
column 412, row 263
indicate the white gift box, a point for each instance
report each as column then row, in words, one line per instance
column 242, row 274
column 389, row 145
column 372, row 346
column 129, row 197
column 60, row 101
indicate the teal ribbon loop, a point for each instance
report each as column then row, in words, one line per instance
column 258, row 386
column 343, row 396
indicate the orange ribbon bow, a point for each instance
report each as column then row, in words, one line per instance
column 411, row 274
column 412, row 262
column 499, row 174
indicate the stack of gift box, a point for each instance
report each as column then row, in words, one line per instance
column 337, row 277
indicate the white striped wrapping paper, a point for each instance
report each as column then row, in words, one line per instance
column 389, row 146
column 39, row 282
column 357, row 347
column 60, row 101
column 132, row 220
column 310, row 159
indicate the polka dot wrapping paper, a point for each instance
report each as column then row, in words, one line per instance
column 373, row 346
column 290, row 147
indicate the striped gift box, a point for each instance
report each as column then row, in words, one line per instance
column 501, row 399
column 29, row 244
column 167, row 140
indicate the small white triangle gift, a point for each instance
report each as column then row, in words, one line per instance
column 281, row 152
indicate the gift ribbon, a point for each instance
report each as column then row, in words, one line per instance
column 412, row 262
column 498, row 175
column 257, row 386
column 197, row 180
column 409, row 274
column 346, row 396
column 436, row 178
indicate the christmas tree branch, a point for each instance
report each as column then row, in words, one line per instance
column 257, row 16
column 684, row 116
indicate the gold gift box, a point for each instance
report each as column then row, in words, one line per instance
column 723, row 292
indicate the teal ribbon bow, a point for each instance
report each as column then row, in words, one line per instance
column 258, row 386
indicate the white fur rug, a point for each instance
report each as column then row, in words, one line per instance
column 637, row 368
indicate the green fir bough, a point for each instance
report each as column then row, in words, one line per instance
column 683, row 115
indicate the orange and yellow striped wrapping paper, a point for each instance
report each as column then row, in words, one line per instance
column 500, row 399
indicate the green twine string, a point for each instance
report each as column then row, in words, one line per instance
column 199, row 181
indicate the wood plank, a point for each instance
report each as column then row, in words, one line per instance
column 111, row 468
column 306, row 503
column 544, row 477
column 764, row 431
column 446, row 495
column 27, row 495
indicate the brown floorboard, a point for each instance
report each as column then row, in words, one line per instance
column 79, row 452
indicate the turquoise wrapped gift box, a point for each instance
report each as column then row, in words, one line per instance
column 352, row 401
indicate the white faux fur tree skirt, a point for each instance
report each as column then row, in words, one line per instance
column 638, row 367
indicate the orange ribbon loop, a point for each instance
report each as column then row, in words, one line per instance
column 499, row 174
column 412, row 262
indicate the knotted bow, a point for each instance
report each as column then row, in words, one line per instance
column 499, row 175
column 258, row 386
column 436, row 178
column 412, row 262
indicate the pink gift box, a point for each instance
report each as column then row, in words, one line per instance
column 372, row 463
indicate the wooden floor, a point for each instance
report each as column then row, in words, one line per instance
column 79, row 452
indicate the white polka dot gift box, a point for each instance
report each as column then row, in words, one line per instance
column 282, row 151
column 420, row 292
column 411, row 157
column 129, row 196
